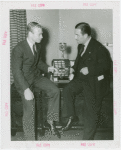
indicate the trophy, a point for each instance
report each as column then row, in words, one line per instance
column 62, row 48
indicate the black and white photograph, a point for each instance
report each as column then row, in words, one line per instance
column 61, row 74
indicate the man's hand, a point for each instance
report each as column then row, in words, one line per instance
column 84, row 71
column 71, row 76
column 71, row 70
column 28, row 94
column 52, row 69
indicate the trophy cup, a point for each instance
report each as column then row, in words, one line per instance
column 62, row 48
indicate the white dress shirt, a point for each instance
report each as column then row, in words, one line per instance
column 85, row 45
column 31, row 45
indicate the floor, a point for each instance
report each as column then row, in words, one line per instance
column 72, row 134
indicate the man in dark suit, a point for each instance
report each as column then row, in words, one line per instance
column 27, row 68
column 90, row 71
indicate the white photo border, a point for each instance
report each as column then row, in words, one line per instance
column 5, row 72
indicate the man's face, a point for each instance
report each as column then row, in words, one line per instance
column 36, row 35
column 79, row 37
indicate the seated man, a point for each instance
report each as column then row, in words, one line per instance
column 91, row 71
column 26, row 68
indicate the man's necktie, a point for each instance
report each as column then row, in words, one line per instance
column 81, row 50
column 35, row 52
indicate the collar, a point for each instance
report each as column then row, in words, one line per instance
column 85, row 45
column 87, row 42
column 30, row 44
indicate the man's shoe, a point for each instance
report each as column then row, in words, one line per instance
column 54, row 131
column 69, row 124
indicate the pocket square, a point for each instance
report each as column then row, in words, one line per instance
column 100, row 77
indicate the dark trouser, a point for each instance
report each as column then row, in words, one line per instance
column 53, row 95
column 75, row 87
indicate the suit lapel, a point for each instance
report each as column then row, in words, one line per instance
column 28, row 49
column 88, row 50
column 78, row 57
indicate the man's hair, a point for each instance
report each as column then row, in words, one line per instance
column 85, row 28
column 32, row 25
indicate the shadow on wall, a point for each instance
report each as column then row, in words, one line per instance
column 44, row 43
column 93, row 33
column 68, row 51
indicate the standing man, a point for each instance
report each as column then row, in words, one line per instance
column 90, row 71
column 26, row 67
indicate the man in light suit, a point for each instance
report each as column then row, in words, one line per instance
column 26, row 67
column 91, row 71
